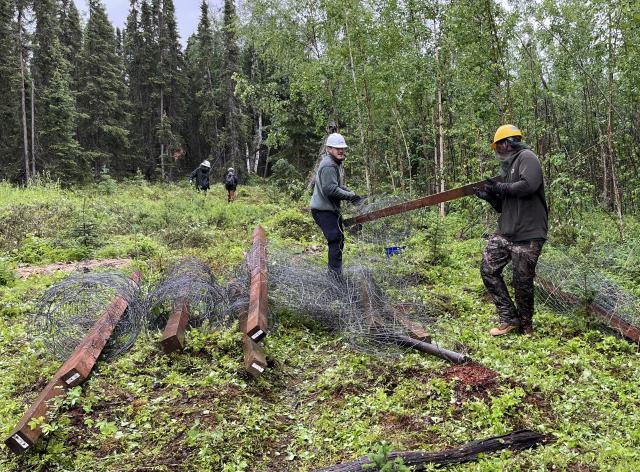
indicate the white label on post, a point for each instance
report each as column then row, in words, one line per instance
column 73, row 378
column 257, row 334
column 257, row 367
column 17, row 438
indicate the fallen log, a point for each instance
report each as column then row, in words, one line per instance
column 518, row 440
column 174, row 332
column 74, row 371
column 625, row 328
column 422, row 202
column 256, row 327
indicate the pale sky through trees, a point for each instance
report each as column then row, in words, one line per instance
column 187, row 13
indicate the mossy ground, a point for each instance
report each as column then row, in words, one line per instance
column 320, row 402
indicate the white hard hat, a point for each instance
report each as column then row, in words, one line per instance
column 336, row 140
column 230, row 169
column 206, row 164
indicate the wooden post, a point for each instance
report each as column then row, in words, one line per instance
column 73, row 372
column 23, row 436
column 79, row 365
column 255, row 361
column 173, row 337
column 258, row 299
column 415, row 330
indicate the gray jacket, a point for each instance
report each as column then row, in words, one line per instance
column 329, row 189
column 524, row 209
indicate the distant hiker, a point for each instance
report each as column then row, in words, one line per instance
column 328, row 192
column 521, row 231
column 201, row 176
column 231, row 183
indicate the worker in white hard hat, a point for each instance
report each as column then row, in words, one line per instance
column 328, row 192
column 201, row 176
column 230, row 184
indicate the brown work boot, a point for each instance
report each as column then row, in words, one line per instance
column 503, row 329
column 526, row 330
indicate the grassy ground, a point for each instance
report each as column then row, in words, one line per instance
column 319, row 403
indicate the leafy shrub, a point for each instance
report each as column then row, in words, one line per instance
column 287, row 179
column 7, row 275
column 292, row 224
column 130, row 246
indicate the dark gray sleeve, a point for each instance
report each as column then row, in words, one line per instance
column 530, row 177
column 194, row 174
column 328, row 178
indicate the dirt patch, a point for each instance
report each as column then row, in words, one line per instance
column 25, row 271
column 472, row 379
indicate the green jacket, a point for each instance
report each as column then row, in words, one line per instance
column 524, row 213
column 329, row 189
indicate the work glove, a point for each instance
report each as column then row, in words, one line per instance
column 482, row 194
column 190, row 181
column 491, row 187
column 357, row 200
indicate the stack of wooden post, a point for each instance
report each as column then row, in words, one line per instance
column 74, row 371
column 253, row 322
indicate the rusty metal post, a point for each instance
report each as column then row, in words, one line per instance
column 74, row 371
column 625, row 328
column 173, row 336
column 429, row 200
column 256, row 327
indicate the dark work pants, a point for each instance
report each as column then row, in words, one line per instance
column 331, row 225
column 524, row 258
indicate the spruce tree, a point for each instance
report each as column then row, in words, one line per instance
column 168, row 81
column 56, row 114
column 136, row 83
column 10, row 133
column 232, row 137
column 71, row 38
column 203, row 87
column 103, row 124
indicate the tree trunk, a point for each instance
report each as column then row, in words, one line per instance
column 23, row 103
column 367, row 172
column 610, row 153
column 162, row 169
column 33, row 129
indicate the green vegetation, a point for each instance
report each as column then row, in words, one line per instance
column 320, row 402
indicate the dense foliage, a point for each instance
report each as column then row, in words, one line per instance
column 417, row 87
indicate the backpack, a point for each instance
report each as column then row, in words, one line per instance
column 230, row 179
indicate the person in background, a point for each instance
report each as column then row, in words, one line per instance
column 201, row 176
column 231, row 183
column 521, row 231
column 328, row 192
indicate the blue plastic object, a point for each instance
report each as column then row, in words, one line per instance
column 393, row 250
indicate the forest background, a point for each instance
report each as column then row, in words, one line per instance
column 418, row 87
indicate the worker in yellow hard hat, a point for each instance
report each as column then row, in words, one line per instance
column 521, row 232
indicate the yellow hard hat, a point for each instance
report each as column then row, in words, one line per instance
column 505, row 131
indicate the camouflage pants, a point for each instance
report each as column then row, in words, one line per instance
column 524, row 257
